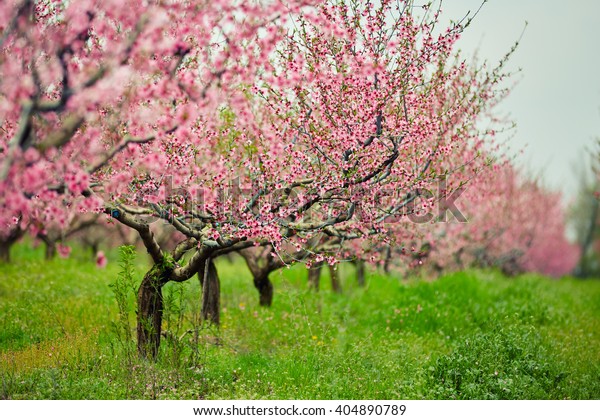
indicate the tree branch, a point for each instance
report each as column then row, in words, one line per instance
column 127, row 140
column 142, row 228
column 197, row 260
column 61, row 136
column 183, row 247
column 115, row 150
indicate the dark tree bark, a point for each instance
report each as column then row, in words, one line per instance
column 314, row 276
column 360, row 272
column 150, row 311
column 211, row 294
column 335, row 279
column 49, row 239
column 7, row 242
column 94, row 246
column 50, row 250
column 387, row 259
column 458, row 258
column 261, row 264
column 5, row 251
column 265, row 289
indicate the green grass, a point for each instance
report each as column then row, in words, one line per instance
column 470, row 335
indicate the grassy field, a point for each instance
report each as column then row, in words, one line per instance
column 472, row 335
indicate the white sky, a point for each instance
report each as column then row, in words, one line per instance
column 556, row 104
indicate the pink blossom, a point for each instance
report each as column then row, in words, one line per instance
column 63, row 250
column 101, row 260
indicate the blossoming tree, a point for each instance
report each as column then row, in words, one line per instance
column 510, row 222
column 241, row 125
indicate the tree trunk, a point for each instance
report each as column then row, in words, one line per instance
column 211, row 294
column 150, row 312
column 5, row 251
column 314, row 275
column 360, row 272
column 50, row 246
column 335, row 279
column 50, row 250
column 260, row 273
column 583, row 269
column 9, row 240
column 387, row 259
column 265, row 289
column 94, row 247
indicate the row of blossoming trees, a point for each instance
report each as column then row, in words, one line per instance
column 285, row 130
column 513, row 224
